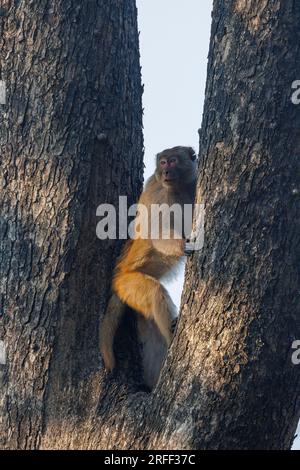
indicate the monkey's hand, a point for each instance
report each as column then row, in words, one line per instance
column 188, row 251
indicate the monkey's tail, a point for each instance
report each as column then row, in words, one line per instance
column 109, row 326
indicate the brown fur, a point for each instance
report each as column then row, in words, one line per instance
column 144, row 261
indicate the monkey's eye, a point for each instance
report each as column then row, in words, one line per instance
column 173, row 160
column 163, row 162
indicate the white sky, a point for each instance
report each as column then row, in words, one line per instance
column 174, row 40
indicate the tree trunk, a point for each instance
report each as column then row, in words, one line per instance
column 236, row 386
column 71, row 139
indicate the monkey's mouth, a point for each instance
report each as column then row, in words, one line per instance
column 169, row 178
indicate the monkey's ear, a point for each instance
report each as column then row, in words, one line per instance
column 158, row 155
column 192, row 153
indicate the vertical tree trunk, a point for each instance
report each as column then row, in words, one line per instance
column 71, row 138
column 241, row 303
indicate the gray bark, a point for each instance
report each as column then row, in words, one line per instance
column 241, row 309
column 71, row 139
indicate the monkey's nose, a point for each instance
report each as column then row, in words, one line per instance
column 168, row 175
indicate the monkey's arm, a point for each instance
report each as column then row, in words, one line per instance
column 170, row 247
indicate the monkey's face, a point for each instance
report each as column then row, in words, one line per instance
column 169, row 168
column 176, row 166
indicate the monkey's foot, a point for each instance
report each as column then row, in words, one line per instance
column 187, row 250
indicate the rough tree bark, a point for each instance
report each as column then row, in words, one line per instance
column 71, row 138
column 241, row 306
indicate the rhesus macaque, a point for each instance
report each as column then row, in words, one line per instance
column 144, row 261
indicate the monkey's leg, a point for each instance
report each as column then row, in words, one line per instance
column 146, row 295
column 170, row 247
column 153, row 350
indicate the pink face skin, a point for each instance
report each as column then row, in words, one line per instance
column 168, row 167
